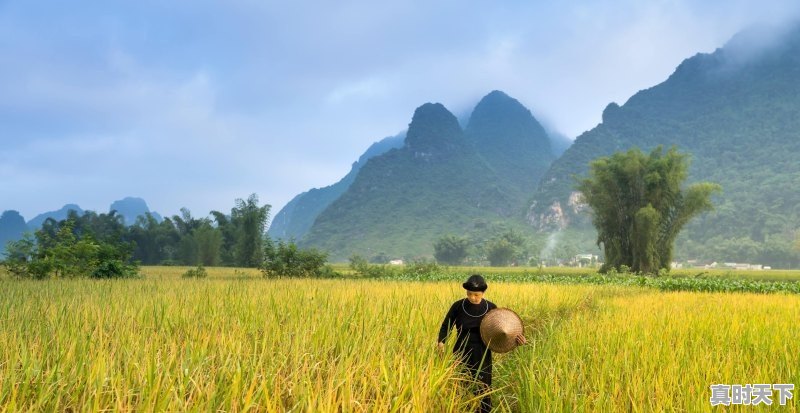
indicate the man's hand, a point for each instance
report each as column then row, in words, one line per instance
column 521, row 340
column 440, row 346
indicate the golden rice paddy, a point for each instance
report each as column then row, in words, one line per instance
column 236, row 342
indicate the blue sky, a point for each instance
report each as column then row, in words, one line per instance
column 196, row 103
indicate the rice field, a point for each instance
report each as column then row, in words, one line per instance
column 759, row 275
column 236, row 342
column 722, row 273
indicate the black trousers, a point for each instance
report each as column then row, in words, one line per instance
column 478, row 361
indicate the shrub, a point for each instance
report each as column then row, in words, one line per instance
column 360, row 266
column 423, row 270
column 64, row 252
column 21, row 260
column 199, row 272
column 114, row 269
column 286, row 259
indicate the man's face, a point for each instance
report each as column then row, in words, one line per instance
column 475, row 297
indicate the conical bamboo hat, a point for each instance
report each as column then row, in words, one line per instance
column 500, row 328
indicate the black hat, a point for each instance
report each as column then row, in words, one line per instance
column 475, row 283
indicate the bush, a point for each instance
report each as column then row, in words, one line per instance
column 612, row 271
column 21, row 260
column 423, row 269
column 114, row 269
column 64, row 252
column 360, row 266
column 418, row 270
column 286, row 259
column 199, row 272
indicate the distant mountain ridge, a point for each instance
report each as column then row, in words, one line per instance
column 295, row 219
column 13, row 225
column 12, row 228
column 131, row 208
column 58, row 215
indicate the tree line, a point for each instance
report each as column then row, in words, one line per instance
column 234, row 239
column 504, row 247
column 102, row 246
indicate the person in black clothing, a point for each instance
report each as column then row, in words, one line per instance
column 466, row 315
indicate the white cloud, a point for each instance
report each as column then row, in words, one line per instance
column 369, row 88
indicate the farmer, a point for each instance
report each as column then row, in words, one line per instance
column 466, row 315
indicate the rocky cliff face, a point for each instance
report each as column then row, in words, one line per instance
column 556, row 217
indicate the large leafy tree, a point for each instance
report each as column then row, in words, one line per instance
column 156, row 242
column 209, row 244
column 500, row 252
column 639, row 205
column 250, row 221
column 451, row 249
column 507, row 247
column 200, row 242
column 187, row 225
column 228, row 230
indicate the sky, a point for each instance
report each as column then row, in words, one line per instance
column 196, row 103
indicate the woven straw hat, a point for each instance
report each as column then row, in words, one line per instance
column 500, row 328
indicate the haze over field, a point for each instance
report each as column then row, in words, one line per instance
column 195, row 104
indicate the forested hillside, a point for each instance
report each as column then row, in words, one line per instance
column 444, row 180
column 736, row 112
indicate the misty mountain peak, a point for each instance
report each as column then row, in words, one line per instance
column 432, row 127
column 58, row 215
column 611, row 112
column 129, row 201
column 11, row 215
column 498, row 110
column 511, row 140
column 756, row 42
column 130, row 208
column 12, row 224
column 12, row 228
column 757, row 46
column 498, row 107
column 503, row 123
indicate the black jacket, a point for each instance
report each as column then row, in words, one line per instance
column 466, row 318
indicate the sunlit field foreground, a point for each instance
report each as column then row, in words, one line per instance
column 236, row 342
